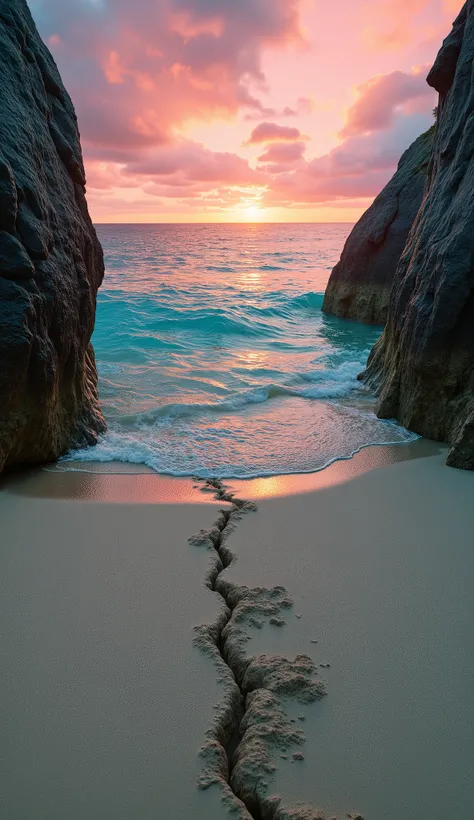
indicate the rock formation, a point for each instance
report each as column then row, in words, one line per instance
column 423, row 366
column 51, row 262
column 360, row 284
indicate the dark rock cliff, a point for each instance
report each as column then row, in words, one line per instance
column 423, row 366
column 51, row 262
column 360, row 284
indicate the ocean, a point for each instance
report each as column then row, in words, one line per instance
column 215, row 358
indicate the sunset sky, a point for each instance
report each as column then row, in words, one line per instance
column 244, row 110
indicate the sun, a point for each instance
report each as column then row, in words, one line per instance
column 253, row 212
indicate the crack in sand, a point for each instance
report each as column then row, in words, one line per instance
column 251, row 721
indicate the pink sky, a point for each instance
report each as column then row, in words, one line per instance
column 237, row 110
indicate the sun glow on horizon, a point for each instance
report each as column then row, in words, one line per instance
column 254, row 213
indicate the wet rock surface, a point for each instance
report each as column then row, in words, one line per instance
column 359, row 286
column 423, row 366
column 51, row 262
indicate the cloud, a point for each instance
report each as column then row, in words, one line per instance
column 142, row 74
column 381, row 97
column 185, row 171
column 358, row 168
column 195, row 163
column 139, row 70
column 283, row 152
column 271, row 132
column 303, row 107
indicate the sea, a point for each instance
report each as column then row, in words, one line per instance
column 215, row 358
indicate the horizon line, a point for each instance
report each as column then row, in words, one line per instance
column 250, row 222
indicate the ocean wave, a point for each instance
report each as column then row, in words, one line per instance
column 158, row 312
column 217, row 322
column 325, row 384
column 344, row 374
column 128, row 449
column 308, row 300
column 182, row 410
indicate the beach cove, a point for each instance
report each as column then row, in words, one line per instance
column 110, row 698
column 236, row 410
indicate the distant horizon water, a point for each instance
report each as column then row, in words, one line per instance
column 215, row 358
column 99, row 225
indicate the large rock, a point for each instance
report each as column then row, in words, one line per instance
column 51, row 262
column 360, row 284
column 423, row 365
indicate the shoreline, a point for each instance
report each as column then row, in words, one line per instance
column 124, row 482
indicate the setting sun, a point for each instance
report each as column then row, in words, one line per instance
column 254, row 212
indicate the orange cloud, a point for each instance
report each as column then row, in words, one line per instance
column 282, row 153
column 144, row 73
column 272, row 132
column 114, row 72
column 198, row 58
column 183, row 24
column 381, row 97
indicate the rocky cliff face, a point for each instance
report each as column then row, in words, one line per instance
column 51, row 262
column 360, row 284
column 423, row 366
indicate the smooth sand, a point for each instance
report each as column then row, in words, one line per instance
column 106, row 702
column 381, row 571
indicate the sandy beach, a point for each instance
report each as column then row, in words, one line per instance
column 105, row 700
column 380, row 568
column 112, row 585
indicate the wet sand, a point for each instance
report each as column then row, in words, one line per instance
column 107, row 700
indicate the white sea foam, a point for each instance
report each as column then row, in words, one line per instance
column 308, row 437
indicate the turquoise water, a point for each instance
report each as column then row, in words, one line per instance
column 214, row 356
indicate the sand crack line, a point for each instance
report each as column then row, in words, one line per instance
column 251, row 724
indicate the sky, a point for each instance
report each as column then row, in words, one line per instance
column 244, row 110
